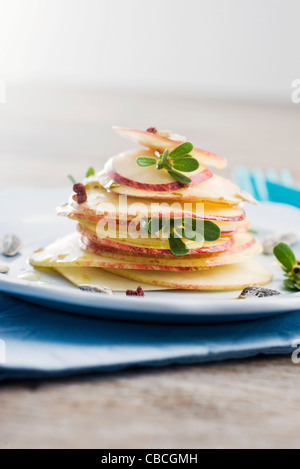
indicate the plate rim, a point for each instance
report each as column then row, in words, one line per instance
column 151, row 304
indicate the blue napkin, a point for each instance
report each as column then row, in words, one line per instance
column 37, row 343
column 283, row 194
column 270, row 186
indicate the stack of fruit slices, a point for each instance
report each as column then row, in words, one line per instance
column 140, row 223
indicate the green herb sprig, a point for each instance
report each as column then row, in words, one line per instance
column 290, row 266
column 72, row 179
column 180, row 229
column 90, row 172
column 175, row 162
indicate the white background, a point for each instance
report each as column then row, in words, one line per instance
column 231, row 48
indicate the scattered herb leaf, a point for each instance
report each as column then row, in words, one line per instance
column 285, row 255
column 290, row 266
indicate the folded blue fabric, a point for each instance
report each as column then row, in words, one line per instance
column 43, row 343
column 283, row 194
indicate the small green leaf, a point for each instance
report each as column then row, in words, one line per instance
column 177, row 225
column 190, row 222
column 186, row 228
column 290, row 285
column 144, row 161
column 182, row 156
column 144, row 224
column 159, row 164
column 193, row 236
column 285, row 256
column 90, row 172
column 212, row 231
column 155, row 225
column 181, row 150
column 72, row 179
column 165, row 157
column 177, row 246
column 253, row 232
column 177, row 222
column 186, row 165
column 190, row 229
column 163, row 160
column 180, row 177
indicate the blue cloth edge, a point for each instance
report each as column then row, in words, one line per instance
column 172, row 361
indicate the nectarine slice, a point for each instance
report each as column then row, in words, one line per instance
column 124, row 169
column 151, row 246
column 244, row 247
column 223, row 278
column 227, row 228
column 98, row 277
column 101, row 202
column 216, row 190
column 160, row 143
column 67, row 252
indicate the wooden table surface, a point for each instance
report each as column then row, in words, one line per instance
column 47, row 133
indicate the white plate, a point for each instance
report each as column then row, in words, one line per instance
column 31, row 215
